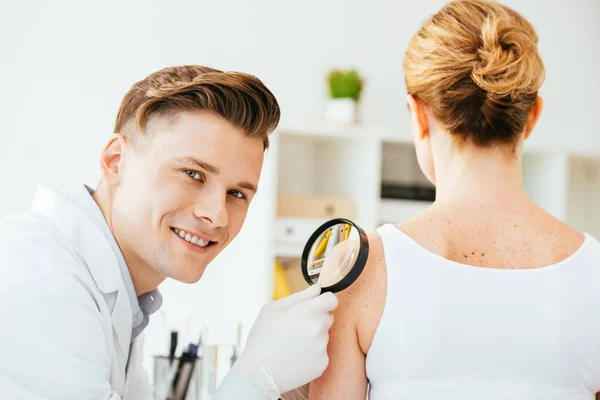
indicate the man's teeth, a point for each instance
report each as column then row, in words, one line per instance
column 192, row 239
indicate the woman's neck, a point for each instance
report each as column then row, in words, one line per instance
column 471, row 175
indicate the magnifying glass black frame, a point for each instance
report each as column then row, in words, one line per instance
column 359, row 264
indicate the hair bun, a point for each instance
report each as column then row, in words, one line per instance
column 507, row 61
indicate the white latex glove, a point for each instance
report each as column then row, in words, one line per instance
column 287, row 346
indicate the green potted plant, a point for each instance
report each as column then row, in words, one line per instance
column 345, row 88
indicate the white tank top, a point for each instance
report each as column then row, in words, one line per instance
column 454, row 331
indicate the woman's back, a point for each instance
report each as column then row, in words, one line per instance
column 469, row 302
column 476, row 308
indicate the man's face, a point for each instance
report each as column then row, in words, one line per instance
column 183, row 193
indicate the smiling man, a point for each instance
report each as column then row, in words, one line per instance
column 187, row 183
column 79, row 272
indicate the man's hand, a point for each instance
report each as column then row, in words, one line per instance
column 287, row 346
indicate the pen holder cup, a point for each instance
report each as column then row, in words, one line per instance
column 171, row 378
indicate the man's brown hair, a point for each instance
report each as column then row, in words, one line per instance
column 239, row 98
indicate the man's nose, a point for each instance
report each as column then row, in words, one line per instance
column 212, row 207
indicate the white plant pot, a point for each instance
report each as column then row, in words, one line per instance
column 341, row 111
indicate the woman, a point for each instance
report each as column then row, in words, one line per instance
column 483, row 295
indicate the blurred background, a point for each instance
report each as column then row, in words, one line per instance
column 65, row 66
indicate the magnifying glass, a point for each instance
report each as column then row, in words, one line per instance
column 335, row 255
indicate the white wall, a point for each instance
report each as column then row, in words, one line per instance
column 65, row 66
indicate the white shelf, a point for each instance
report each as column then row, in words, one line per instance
column 286, row 250
column 292, row 233
column 401, row 133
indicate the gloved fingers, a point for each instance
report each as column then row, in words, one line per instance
column 325, row 303
column 297, row 298
column 329, row 321
column 323, row 359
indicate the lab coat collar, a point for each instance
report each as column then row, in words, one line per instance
column 96, row 253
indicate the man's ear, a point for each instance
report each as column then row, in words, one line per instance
column 534, row 116
column 111, row 159
column 419, row 116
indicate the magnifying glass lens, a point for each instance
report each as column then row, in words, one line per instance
column 339, row 262
column 333, row 255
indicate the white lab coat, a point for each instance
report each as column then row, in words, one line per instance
column 66, row 314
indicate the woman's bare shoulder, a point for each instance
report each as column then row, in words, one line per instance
column 428, row 229
column 527, row 237
column 364, row 300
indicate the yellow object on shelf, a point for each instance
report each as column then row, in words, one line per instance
column 282, row 287
column 346, row 231
column 323, row 244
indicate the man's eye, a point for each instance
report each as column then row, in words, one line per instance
column 237, row 194
column 194, row 175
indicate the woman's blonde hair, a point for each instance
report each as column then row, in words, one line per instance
column 475, row 64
